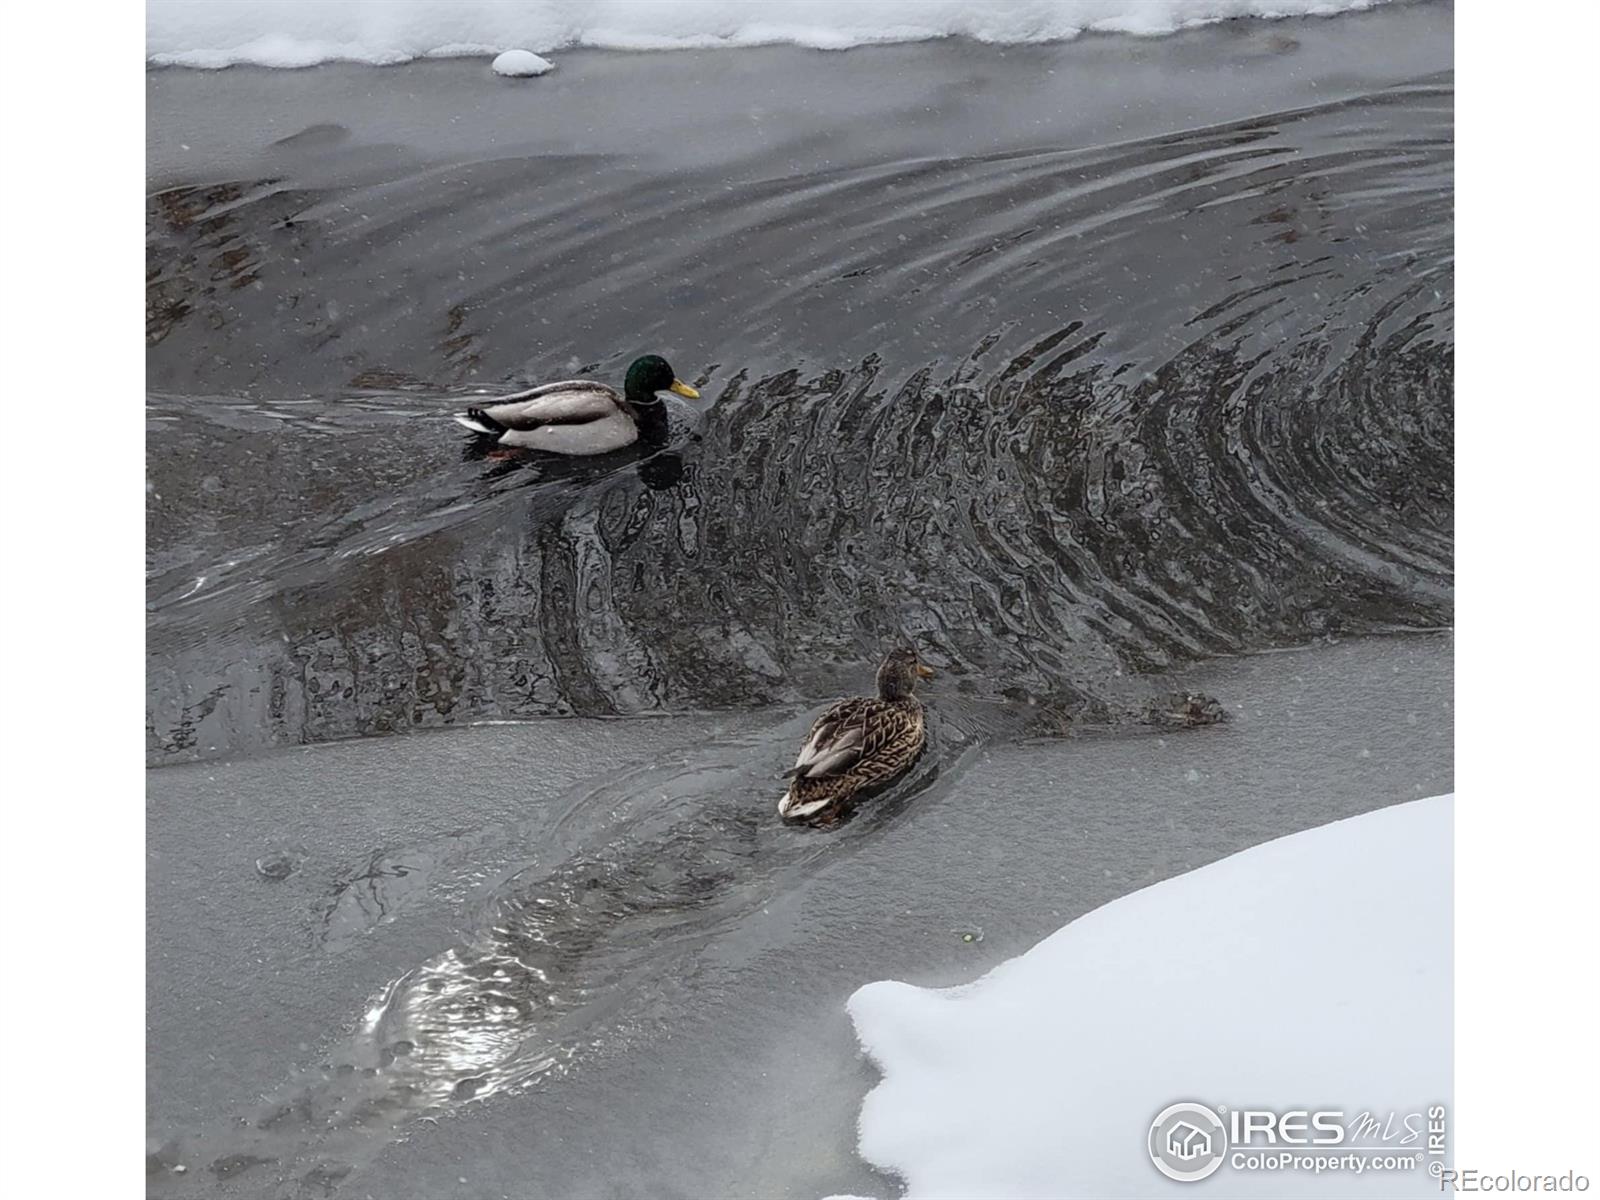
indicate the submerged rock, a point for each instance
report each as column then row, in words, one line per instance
column 278, row 865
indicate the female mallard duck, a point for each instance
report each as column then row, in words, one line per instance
column 863, row 742
column 579, row 416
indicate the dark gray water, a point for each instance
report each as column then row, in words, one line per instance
column 1083, row 365
column 1063, row 406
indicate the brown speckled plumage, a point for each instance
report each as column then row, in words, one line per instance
column 858, row 744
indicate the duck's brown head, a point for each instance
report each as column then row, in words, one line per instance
column 897, row 677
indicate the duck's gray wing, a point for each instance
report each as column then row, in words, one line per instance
column 569, row 402
column 836, row 741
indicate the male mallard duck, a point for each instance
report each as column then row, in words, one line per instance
column 579, row 416
column 863, row 742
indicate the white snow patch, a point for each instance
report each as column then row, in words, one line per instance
column 300, row 33
column 520, row 63
column 1310, row 972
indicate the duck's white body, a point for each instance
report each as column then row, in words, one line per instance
column 573, row 416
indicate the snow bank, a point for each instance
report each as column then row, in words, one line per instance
column 300, row 33
column 1313, row 972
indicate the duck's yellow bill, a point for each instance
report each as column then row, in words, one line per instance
column 925, row 670
column 683, row 389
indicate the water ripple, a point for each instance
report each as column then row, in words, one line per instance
column 1062, row 414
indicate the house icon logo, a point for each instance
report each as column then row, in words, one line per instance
column 1187, row 1142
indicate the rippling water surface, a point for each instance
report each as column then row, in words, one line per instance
column 1107, row 386
column 1058, row 413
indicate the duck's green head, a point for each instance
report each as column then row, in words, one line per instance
column 652, row 374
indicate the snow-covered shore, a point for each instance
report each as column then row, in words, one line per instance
column 1308, row 973
column 303, row 33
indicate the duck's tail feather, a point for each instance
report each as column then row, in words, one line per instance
column 479, row 421
column 792, row 808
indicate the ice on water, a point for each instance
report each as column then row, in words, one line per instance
column 520, row 63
